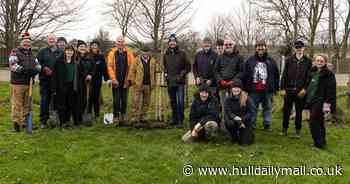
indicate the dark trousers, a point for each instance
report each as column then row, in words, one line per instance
column 317, row 125
column 177, row 101
column 45, row 99
column 243, row 136
column 70, row 106
column 289, row 100
column 120, row 97
column 94, row 100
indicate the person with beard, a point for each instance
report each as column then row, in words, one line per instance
column 239, row 110
column 228, row 67
column 261, row 81
column 99, row 73
column 23, row 66
column 176, row 66
column 203, row 66
column 293, row 87
column 204, row 115
column 321, row 94
column 67, row 88
column 86, row 72
column 119, row 61
column 47, row 58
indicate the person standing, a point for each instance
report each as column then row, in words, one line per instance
column 220, row 47
column 23, row 66
column 261, row 81
column 47, row 58
column 321, row 94
column 203, row 66
column 204, row 115
column 228, row 67
column 176, row 66
column 86, row 72
column 143, row 78
column 61, row 43
column 239, row 110
column 100, row 73
column 67, row 87
column 119, row 61
column 293, row 87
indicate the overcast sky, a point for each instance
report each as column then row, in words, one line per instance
column 93, row 18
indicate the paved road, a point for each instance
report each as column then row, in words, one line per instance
column 342, row 79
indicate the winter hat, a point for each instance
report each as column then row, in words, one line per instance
column 172, row 37
column 204, row 88
column 80, row 42
column 299, row 44
column 26, row 36
column 236, row 83
column 95, row 42
column 59, row 39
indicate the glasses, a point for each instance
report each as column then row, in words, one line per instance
column 228, row 44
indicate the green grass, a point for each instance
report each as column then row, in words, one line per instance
column 103, row 155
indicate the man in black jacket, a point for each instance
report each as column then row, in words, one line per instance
column 293, row 87
column 228, row 67
column 203, row 66
column 204, row 115
column 261, row 81
column 176, row 66
column 47, row 58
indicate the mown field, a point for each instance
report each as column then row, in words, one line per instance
column 103, row 155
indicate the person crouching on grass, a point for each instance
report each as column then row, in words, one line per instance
column 204, row 115
column 321, row 93
column 67, row 88
column 239, row 111
column 143, row 78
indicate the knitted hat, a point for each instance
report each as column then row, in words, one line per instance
column 299, row 44
column 26, row 36
column 80, row 42
column 172, row 37
column 204, row 88
column 95, row 42
column 236, row 83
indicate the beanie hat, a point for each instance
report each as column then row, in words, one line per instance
column 80, row 42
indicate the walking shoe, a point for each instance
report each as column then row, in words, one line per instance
column 284, row 132
column 16, row 128
column 297, row 134
column 267, row 128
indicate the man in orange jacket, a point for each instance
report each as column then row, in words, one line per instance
column 119, row 61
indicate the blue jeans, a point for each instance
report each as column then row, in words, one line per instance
column 266, row 100
column 45, row 99
column 177, row 102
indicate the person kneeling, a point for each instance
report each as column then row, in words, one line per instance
column 238, row 115
column 203, row 116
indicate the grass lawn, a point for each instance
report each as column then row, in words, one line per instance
column 103, row 155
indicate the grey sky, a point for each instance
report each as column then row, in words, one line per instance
column 93, row 17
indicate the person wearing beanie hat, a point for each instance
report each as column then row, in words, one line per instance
column 203, row 66
column 238, row 114
column 119, row 62
column 86, row 71
column 61, row 43
column 24, row 67
column 143, row 79
column 293, row 87
column 100, row 74
column 47, row 57
column 176, row 67
column 261, row 81
column 204, row 115
column 320, row 97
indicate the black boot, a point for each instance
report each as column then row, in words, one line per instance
column 16, row 127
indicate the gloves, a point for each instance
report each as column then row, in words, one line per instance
column 225, row 84
column 237, row 118
column 302, row 93
column 198, row 81
column 47, row 71
column 88, row 78
column 326, row 107
column 109, row 83
column 283, row 93
column 115, row 83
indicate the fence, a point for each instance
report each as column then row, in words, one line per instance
column 3, row 57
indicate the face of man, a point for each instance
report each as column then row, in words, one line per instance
column 120, row 43
column 172, row 43
column 51, row 40
column 299, row 51
column 228, row 46
column 320, row 62
column 82, row 49
column 260, row 49
column 220, row 49
column 204, row 95
column 206, row 45
column 26, row 43
column 94, row 48
column 61, row 44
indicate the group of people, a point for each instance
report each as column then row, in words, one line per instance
column 230, row 89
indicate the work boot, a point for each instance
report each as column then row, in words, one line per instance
column 16, row 127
